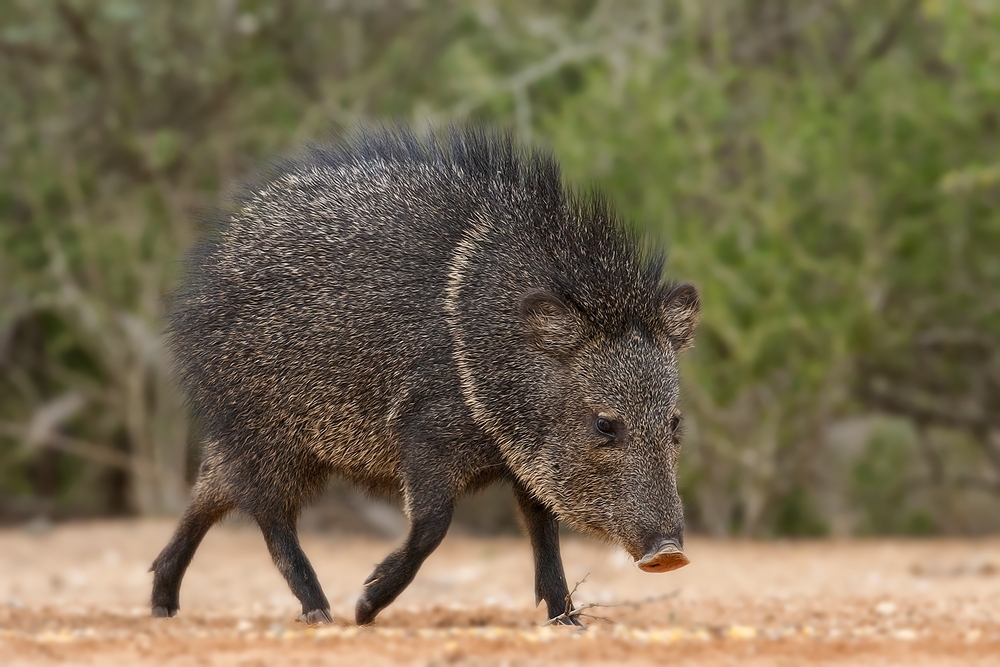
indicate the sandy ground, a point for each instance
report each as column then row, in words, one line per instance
column 76, row 594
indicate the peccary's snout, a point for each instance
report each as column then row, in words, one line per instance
column 666, row 554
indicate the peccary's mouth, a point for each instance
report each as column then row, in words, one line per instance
column 666, row 557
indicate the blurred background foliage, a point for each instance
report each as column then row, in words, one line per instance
column 828, row 174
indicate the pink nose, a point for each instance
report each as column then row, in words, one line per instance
column 666, row 557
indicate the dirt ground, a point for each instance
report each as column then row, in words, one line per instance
column 76, row 595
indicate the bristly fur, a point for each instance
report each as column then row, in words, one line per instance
column 591, row 257
column 427, row 315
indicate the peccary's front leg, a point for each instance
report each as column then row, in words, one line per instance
column 543, row 531
column 430, row 511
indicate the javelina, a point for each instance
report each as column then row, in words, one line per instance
column 426, row 316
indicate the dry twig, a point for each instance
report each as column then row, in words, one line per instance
column 571, row 612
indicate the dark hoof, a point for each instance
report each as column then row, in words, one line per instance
column 364, row 612
column 571, row 621
column 316, row 617
column 163, row 612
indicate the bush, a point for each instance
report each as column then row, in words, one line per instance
column 827, row 174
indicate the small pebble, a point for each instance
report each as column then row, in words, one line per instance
column 886, row 608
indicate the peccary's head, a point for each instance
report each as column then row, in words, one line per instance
column 566, row 338
column 609, row 448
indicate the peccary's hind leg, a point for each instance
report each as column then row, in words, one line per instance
column 207, row 506
column 429, row 508
column 543, row 531
column 283, row 543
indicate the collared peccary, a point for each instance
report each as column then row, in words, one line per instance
column 425, row 316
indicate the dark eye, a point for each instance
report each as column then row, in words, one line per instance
column 675, row 423
column 605, row 427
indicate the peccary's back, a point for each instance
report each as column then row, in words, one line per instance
column 312, row 316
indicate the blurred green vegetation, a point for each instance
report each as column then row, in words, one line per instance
column 828, row 174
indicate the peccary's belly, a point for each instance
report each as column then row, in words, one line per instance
column 358, row 442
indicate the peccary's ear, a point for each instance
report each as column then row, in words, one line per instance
column 552, row 327
column 682, row 311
